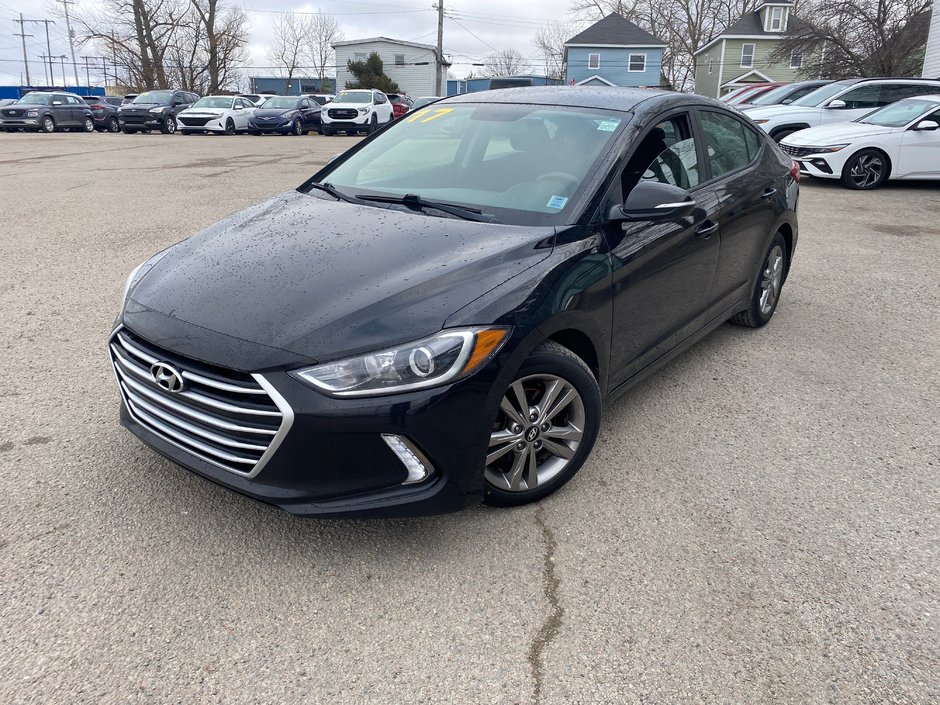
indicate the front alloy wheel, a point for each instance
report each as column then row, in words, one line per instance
column 865, row 170
column 297, row 129
column 169, row 125
column 48, row 124
column 545, row 428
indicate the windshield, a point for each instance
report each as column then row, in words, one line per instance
column 510, row 161
column 773, row 96
column 901, row 113
column 353, row 97
column 218, row 101
column 154, row 97
column 35, row 99
column 280, row 103
column 820, row 95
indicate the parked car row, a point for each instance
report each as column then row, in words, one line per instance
column 169, row 111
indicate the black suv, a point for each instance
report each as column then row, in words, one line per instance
column 47, row 112
column 105, row 111
column 154, row 110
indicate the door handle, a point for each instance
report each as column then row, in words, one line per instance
column 768, row 193
column 706, row 229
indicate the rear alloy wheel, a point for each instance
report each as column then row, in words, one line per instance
column 169, row 125
column 766, row 293
column 297, row 129
column 545, row 429
column 229, row 127
column 48, row 124
column 114, row 125
column 89, row 124
column 865, row 170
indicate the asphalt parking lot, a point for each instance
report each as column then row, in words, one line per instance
column 758, row 522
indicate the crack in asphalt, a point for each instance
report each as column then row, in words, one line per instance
column 552, row 624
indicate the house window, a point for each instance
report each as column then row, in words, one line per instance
column 594, row 61
column 399, row 59
column 796, row 59
column 710, row 64
column 637, row 63
column 747, row 56
column 360, row 56
column 776, row 19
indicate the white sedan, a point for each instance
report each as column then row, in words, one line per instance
column 216, row 113
column 898, row 141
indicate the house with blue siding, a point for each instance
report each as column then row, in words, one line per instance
column 614, row 52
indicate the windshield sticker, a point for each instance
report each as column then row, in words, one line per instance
column 557, row 202
column 608, row 125
column 428, row 114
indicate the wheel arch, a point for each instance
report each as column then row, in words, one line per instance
column 792, row 127
column 874, row 148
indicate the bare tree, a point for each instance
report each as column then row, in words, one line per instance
column 291, row 31
column 323, row 32
column 550, row 41
column 223, row 37
column 506, row 62
column 859, row 38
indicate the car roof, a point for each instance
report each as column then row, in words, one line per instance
column 606, row 97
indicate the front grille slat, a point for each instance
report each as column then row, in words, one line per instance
column 230, row 419
column 796, row 151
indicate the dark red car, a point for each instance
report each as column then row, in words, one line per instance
column 401, row 104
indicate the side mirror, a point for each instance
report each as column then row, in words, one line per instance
column 836, row 105
column 927, row 125
column 57, row 102
column 238, row 107
column 653, row 201
column 786, row 101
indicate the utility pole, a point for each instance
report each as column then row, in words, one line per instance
column 87, row 72
column 64, row 79
column 48, row 48
column 68, row 27
column 439, row 59
column 22, row 35
column 46, row 64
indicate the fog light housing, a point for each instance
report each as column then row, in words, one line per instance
column 418, row 467
column 822, row 165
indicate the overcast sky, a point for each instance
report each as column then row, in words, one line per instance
column 473, row 29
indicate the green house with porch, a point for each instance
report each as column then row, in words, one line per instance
column 744, row 53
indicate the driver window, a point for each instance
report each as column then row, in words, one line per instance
column 666, row 154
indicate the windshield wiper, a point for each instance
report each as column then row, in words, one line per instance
column 416, row 202
column 330, row 189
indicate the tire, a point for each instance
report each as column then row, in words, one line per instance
column 780, row 134
column 770, row 280
column 114, row 125
column 229, row 127
column 296, row 128
column 169, row 125
column 373, row 124
column 549, row 450
column 89, row 124
column 48, row 124
column 866, row 169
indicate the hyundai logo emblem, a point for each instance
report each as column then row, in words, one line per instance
column 532, row 433
column 167, row 377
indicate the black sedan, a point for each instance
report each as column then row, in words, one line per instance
column 496, row 267
column 286, row 115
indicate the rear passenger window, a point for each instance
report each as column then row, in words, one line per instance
column 725, row 143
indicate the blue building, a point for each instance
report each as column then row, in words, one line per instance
column 487, row 83
column 20, row 91
column 298, row 85
column 614, row 52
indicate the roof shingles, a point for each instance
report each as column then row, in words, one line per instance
column 615, row 30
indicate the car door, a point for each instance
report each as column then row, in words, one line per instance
column 242, row 112
column 306, row 114
column 919, row 154
column 748, row 200
column 63, row 112
column 383, row 107
column 662, row 272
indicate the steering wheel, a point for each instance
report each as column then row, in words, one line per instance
column 563, row 175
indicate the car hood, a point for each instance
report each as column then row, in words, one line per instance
column 274, row 112
column 354, row 106
column 836, row 133
column 204, row 111
column 299, row 278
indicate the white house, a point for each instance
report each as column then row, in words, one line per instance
column 932, row 57
column 409, row 64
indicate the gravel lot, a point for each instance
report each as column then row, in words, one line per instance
column 758, row 523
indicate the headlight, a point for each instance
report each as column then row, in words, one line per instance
column 447, row 356
column 363, row 111
column 830, row 148
column 32, row 113
column 158, row 110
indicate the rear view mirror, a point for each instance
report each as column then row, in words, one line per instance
column 654, row 201
column 836, row 104
column 927, row 125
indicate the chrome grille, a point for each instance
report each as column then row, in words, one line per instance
column 343, row 113
column 232, row 420
column 797, row 151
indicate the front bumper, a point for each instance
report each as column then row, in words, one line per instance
column 26, row 123
column 270, row 127
column 819, row 165
column 333, row 460
column 139, row 122
column 358, row 123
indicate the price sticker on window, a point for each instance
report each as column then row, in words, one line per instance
column 428, row 114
